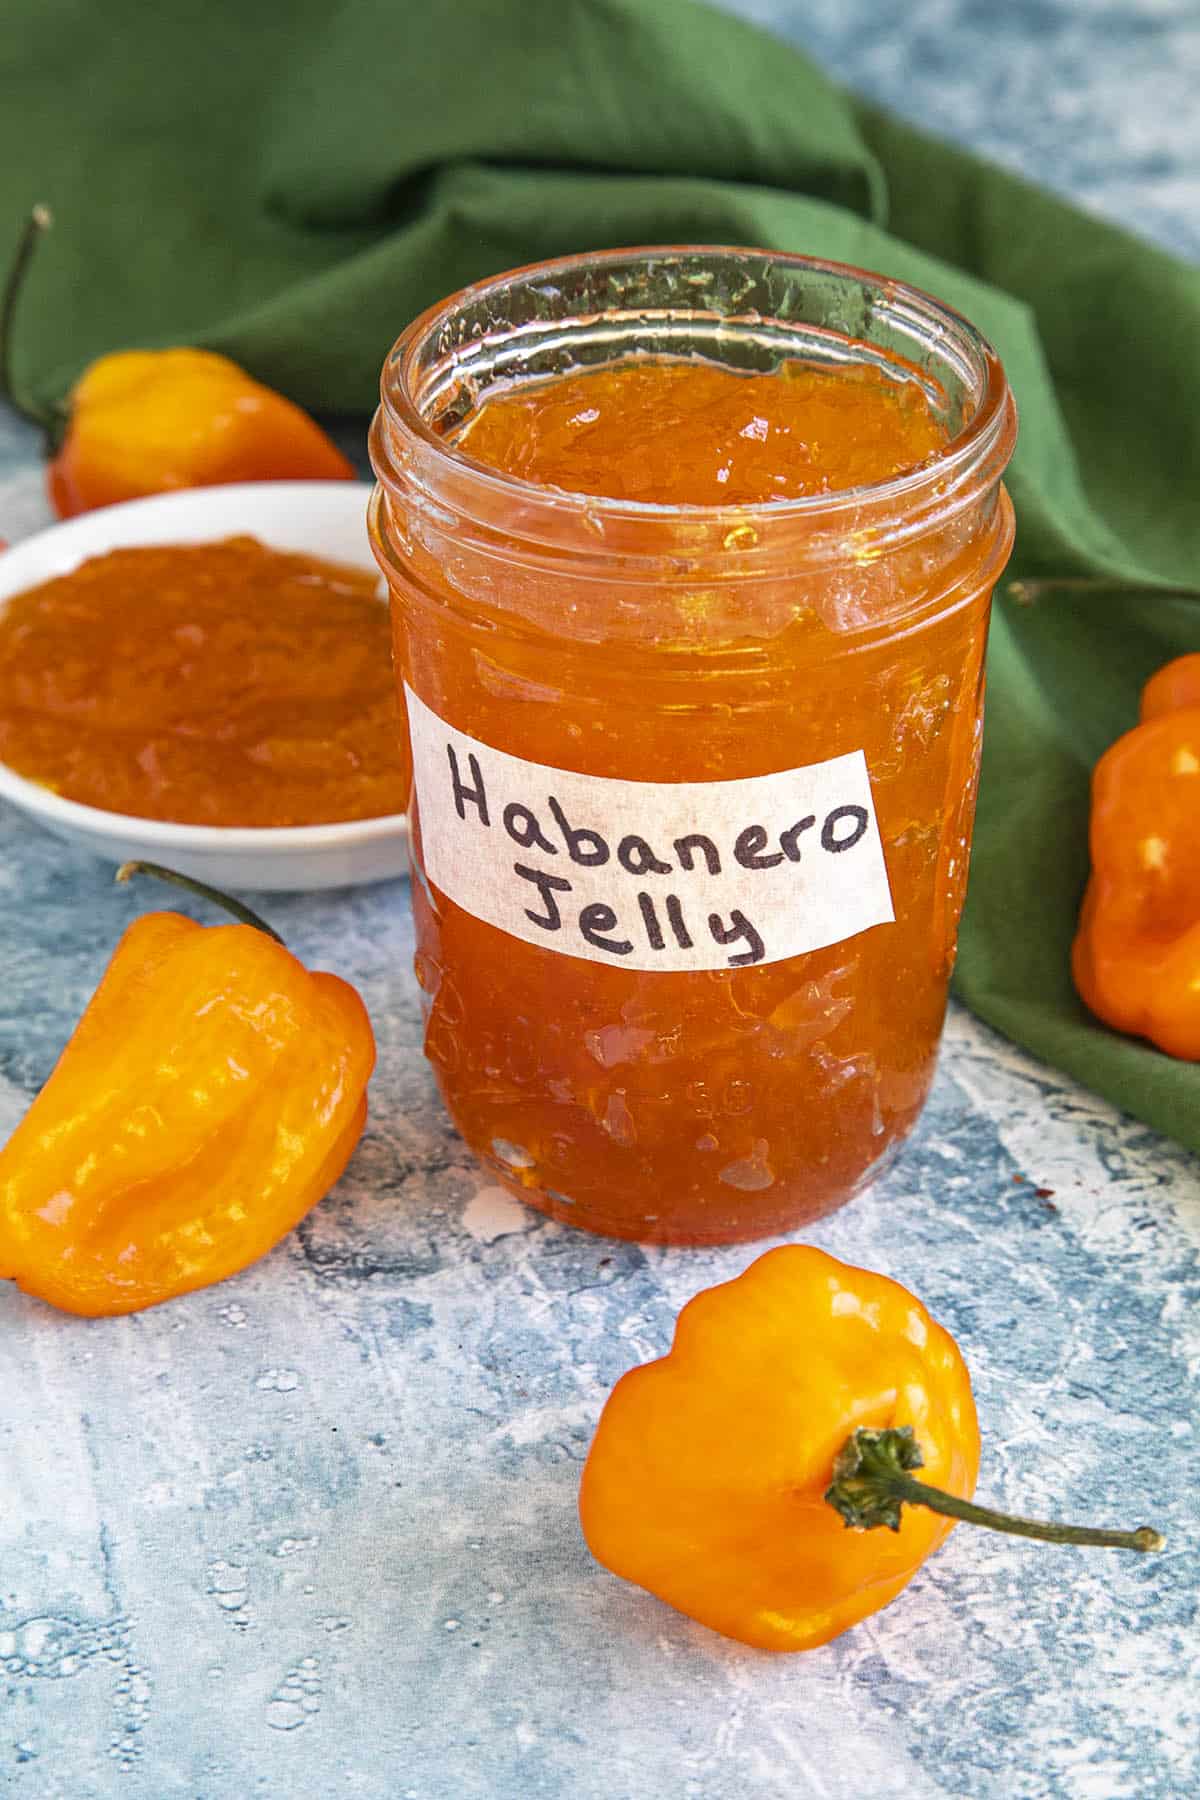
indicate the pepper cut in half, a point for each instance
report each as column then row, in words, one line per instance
column 212, row 1093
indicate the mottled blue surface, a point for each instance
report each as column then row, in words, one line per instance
column 313, row 1532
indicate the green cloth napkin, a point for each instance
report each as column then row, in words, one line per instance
column 292, row 183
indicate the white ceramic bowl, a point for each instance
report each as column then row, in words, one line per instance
column 322, row 518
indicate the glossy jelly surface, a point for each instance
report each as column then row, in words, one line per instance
column 694, row 434
column 207, row 684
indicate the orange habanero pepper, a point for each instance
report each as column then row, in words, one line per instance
column 1174, row 687
column 212, row 1093
column 149, row 421
column 803, row 1390
column 1136, row 956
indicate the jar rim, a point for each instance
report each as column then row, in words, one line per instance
column 974, row 456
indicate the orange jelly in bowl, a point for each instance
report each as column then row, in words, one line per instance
column 212, row 684
column 690, row 554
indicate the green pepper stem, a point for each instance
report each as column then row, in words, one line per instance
column 49, row 419
column 1026, row 593
column 201, row 888
column 872, row 1482
column 919, row 1493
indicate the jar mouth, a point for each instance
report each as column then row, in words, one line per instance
column 547, row 318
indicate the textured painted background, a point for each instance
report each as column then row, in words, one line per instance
column 313, row 1533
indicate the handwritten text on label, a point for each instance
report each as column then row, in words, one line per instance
column 646, row 874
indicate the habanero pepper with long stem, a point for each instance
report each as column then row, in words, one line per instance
column 213, row 1091
column 795, row 1402
column 144, row 422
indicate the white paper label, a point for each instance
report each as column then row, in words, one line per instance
column 649, row 874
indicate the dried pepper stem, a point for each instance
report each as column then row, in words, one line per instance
column 872, row 1483
column 1027, row 593
column 204, row 892
column 50, row 419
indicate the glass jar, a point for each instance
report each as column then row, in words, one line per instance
column 741, row 741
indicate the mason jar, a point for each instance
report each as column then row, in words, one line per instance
column 693, row 785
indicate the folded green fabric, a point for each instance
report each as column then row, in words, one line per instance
column 291, row 184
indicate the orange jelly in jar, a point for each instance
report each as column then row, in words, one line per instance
column 691, row 554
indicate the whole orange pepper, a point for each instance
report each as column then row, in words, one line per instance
column 149, row 421
column 212, row 1093
column 1174, row 687
column 1136, row 956
column 795, row 1402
